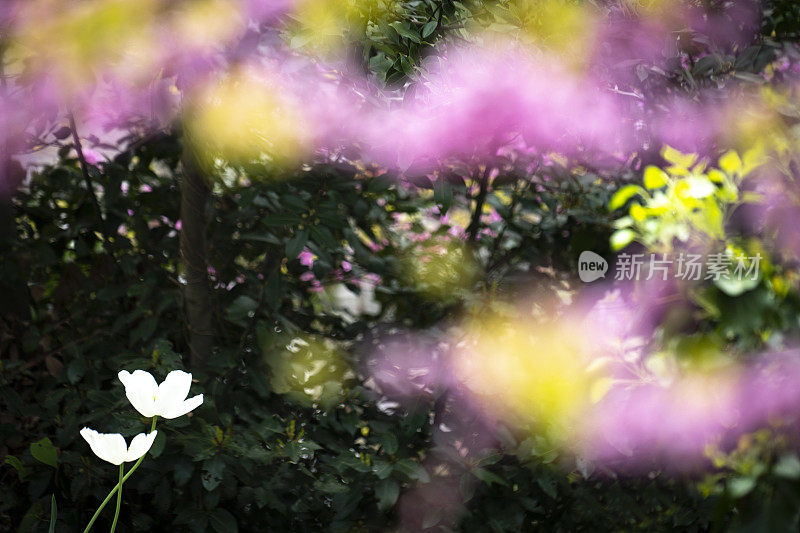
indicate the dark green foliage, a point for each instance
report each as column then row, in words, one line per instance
column 106, row 296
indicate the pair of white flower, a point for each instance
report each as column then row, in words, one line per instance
column 167, row 400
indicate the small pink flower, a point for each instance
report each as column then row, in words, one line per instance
column 494, row 216
column 373, row 279
column 91, row 157
column 346, row 266
column 178, row 225
column 307, row 276
column 316, row 287
column 306, row 258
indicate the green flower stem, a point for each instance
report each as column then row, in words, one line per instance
column 119, row 497
column 118, row 485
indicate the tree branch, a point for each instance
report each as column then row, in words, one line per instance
column 87, row 178
column 480, row 199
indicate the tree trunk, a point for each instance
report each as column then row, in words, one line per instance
column 15, row 300
column 197, row 296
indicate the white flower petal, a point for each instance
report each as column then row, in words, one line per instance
column 109, row 447
column 173, row 391
column 167, row 400
column 141, row 389
column 140, row 445
column 114, row 446
column 89, row 435
column 185, row 407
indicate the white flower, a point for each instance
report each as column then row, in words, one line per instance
column 354, row 305
column 167, row 400
column 111, row 447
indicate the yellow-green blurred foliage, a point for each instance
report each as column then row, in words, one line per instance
column 244, row 118
column 769, row 120
column 565, row 28
column 75, row 39
column 201, row 24
column 310, row 370
column 131, row 40
column 321, row 25
column 439, row 266
column 682, row 202
column 530, row 373
column 757, row 454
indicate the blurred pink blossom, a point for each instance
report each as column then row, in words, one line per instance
column 306, row 258
column 475, row 100
column 91, row 156
column 676, row 421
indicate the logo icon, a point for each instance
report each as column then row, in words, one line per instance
column 591, row 266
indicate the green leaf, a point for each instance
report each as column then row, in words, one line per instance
column 429, row 28
column 144, row 330
column 389, row 442
column 383, row 469
column 158, row 444
column 707, row 64
column 622, row 196
column 182, row 471
column 699, row 187
column 76, row 370
column 731, row 163
column 53, row 514
column 654, row 177
column 733, row 286
column 787, row 466
column 258, row 237
column 624, row 222
column 222, row 521
column 324, row 237
column 17, row 465
column 741, row 486
column 403, row 30
column 678, row 159
column 44, row 451
column 488, row 477
column 281, row 219
column 273, row 290
column 413, row 470
column 295, row 245
column 622, row 238
column 212, row 473
column 466, row 486
column 638, row 213
column 239, row 311
column 548, row 486
column 387, row 492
